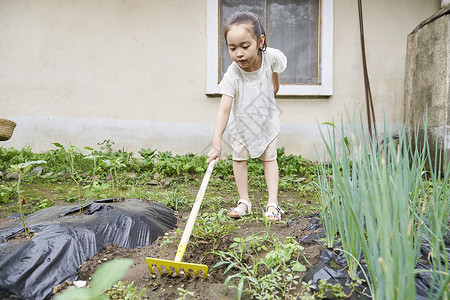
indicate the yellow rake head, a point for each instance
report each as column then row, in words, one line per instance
column 178, row 267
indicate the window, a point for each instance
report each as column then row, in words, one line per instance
column 301, row 29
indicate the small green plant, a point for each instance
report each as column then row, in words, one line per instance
column 123, row 291
column 72, row 152
column 102, row 280
column 184, row 294
column 21, row 170
column 94, row 158
column 106, row 146
column 43, row 203
column 284, row 258
column 214, row 203
column 212, row 227
column 224, row 167
column 175, row 199
column 283, row 254
column 97, row 190
column 258, row 242
column 115, row 166
column 170, row 239
column 169, row 165
column 255, row 242
column 325, row 290
column 295, row 166
column 6, row 193
column 276, row 275
column 148, row 161
column 245, row 273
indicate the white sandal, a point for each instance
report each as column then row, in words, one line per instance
column 239, row 210
column 272, row 215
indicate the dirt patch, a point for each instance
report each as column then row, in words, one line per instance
column 8, row 220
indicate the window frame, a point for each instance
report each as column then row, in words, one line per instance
column 325, row 88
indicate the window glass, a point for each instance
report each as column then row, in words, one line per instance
column 291, row 26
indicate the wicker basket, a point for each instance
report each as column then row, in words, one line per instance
column 6, row 129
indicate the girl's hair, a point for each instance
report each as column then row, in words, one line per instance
column 247, row 18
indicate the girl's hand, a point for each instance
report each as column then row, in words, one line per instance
column 214, row 153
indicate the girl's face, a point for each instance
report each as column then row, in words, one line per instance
column 243, row 47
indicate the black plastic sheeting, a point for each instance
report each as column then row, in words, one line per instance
column 332, row 265
column 64, row 239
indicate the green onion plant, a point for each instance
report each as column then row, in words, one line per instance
column 379, row 203
column 437, row 211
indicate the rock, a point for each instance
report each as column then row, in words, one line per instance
column 167, row 181
column 131, row 175
column 37, row 171
column 12, row 176
column 56, row 289
column 300, row 179
column 79, row 283
column 49, row 174
column 109, row 177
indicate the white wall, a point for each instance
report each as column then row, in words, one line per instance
column 79, row 72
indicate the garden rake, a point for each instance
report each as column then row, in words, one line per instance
column 177, row 264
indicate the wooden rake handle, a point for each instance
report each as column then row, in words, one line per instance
column 193, row 215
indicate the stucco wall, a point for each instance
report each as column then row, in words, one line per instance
column 79, row 72
column 427, row 85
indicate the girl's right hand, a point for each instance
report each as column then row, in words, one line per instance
column 214, row 153
column 219, row 127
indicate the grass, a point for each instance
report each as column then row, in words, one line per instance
column 78, row 174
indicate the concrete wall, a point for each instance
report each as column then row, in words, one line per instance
column 427, row 88
column 82, row 71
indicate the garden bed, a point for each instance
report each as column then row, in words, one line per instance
column 200, row 248
column 173, row 181
column 363, row 201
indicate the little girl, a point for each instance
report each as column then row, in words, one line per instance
column 248, row 91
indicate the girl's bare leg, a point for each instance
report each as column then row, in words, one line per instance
column 241, row 178
column 271, row 174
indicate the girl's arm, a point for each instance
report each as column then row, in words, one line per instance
column 275, row 82
column 219, row 127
